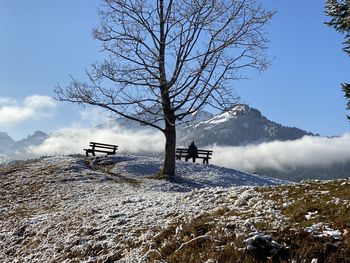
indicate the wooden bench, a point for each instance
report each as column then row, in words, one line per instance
column 202, row 154
column 110, row 149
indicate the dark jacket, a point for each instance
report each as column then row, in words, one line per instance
column 192, row 151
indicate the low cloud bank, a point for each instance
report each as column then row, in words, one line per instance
column 32, row 107
column 4, row 159
column 73, row 140
column 306, row 152
column 281, row 156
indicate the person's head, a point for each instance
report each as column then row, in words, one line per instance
column 192, row 143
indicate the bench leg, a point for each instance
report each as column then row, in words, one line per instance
column 89, row 151
column 194, row 159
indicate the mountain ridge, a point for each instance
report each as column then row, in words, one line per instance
column 242, row 125
column 239, row 126
column 9, row 146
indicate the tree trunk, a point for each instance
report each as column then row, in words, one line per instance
column 170, row 144
column 170, row 130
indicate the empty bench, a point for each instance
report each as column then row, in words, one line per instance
column 109, row 149
column 202, row 154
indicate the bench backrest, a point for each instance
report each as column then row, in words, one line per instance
column 103, row 145
column 200, row 152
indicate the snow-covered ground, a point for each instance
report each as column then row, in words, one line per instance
column 109, row 209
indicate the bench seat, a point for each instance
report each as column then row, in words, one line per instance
column 109, row 149
column 202, row 154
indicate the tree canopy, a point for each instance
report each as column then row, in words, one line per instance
column 339, row 11
column 167, row 59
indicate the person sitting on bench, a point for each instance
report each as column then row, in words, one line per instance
column 192, row 152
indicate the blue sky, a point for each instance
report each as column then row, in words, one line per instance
column 43, row 42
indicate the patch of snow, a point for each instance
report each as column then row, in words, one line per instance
column 219, row 119
column 322, row 230
column 287, row 204
column 336, row 234
column 262, row 241
column 311, row 215
column 193, row 175
column 92, row 209
column 314, row 227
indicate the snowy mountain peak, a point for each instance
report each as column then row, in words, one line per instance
column 234, row 113
column 239, row 108
column 244, row 109
column 240, row 125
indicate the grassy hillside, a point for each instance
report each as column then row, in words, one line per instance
column 316, row 228
column 73, row 209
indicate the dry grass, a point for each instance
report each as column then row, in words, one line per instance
column 330, row 200
column 210, row 236
column 207, row 238
column 16, row 166
column 107, row 168
column 305, row 246
column 159, row 176
column 196, row 241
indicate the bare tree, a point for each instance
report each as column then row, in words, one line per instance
column 167, row 59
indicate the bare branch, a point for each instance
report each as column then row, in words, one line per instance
column 168, row 59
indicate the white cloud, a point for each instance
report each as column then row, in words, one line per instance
column 39, row 102
column 33, row 107
column 73, row 140
column 7, row 101
column 305, row 152
column 93, row 116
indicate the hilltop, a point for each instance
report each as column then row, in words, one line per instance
column 117, row 209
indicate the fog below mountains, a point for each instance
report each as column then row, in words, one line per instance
column 73, row 140
column 243, row 140
column 284, row 159
column 308, row 151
